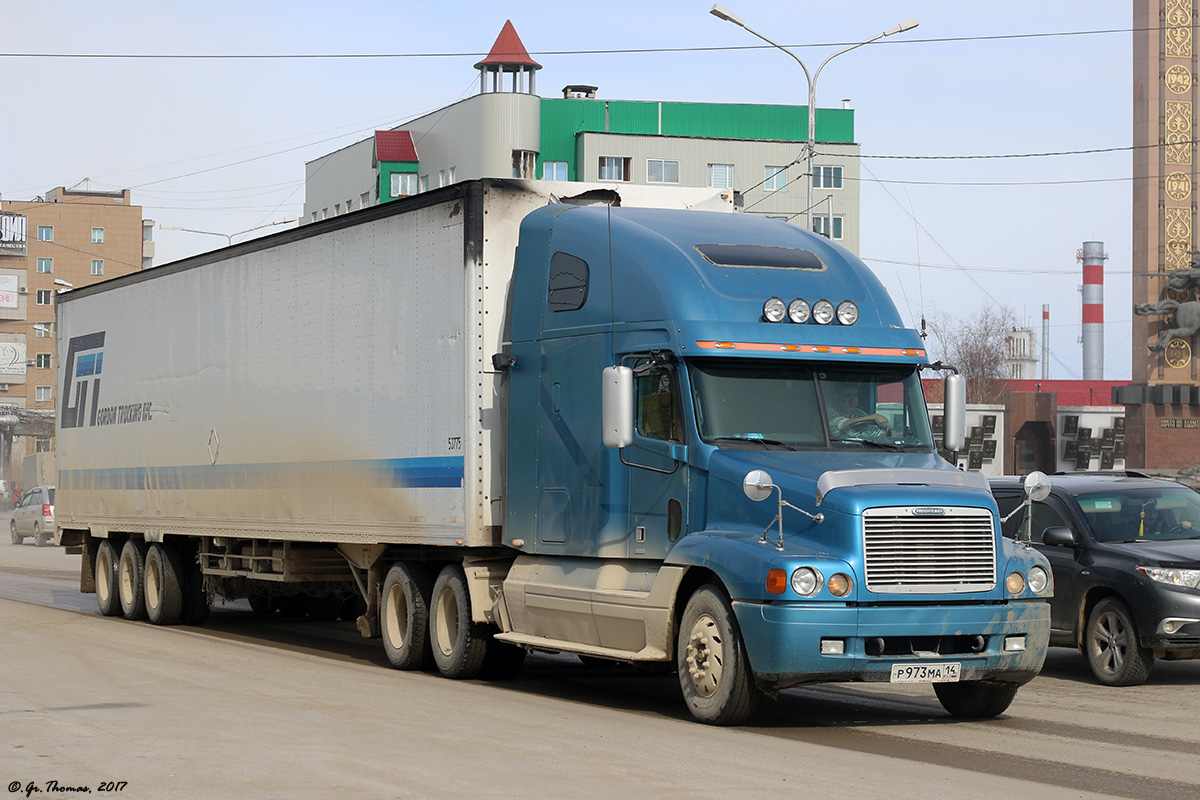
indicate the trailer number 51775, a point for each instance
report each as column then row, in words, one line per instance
column 455, row 442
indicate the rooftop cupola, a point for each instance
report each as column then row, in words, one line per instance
column 508, row 55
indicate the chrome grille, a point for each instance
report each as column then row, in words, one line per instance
column 911, row 550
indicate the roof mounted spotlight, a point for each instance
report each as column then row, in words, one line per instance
column 799, row 311
column 823, row 312
column 847, row 313
column 774, row 310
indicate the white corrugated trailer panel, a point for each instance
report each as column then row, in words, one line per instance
column 308, row 391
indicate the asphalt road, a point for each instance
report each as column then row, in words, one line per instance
column 265, row 707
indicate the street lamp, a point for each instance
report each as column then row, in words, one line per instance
column 61, row 282
column 228, row 236
column 720, row 12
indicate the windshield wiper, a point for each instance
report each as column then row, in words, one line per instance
column 759, row 439
column 872, row 443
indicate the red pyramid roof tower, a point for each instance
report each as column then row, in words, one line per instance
column 508, row 54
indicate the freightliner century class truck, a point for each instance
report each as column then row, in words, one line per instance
column 509, row 421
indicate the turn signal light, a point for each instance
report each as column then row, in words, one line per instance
column 777, row 581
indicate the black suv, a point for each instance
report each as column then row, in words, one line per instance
column 1125, row 552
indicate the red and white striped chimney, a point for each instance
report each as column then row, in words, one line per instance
column 1093, row 257
column 1045, row 341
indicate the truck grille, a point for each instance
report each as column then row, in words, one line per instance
column 917, row 550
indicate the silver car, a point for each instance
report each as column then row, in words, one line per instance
column 34, row 516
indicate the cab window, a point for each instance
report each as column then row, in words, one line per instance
column 659, row 414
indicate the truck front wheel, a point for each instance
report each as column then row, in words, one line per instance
column 975, row 699
column 459, row 644
column 404, row 615
column 107, row 595
column 714, row 672
column 131, row 579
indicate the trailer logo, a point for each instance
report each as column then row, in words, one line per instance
column 85, row 362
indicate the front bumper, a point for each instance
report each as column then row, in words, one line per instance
column 783, row 641
column 1153, row 603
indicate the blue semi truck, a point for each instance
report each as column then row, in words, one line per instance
column 512, row 416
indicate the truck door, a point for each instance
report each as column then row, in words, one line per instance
column 657, row 462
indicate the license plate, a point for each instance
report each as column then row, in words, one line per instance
column 926, row 673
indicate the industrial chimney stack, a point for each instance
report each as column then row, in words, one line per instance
column 1046, row 341
column 1093, row 258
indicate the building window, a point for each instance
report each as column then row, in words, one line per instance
column 148, row 232
column 614, row 168
column 43, row 330
column 45, row 233
column 450, row 175
column 337, row 212
column 97, row 235
column 45, row 265
column 404, row 184
column 43, row 297
column 442, row 178
column 720, row 176
column 147, row 262
column 523, row 163
column 821, row 226
column 827, row 177
column 97, row 266
column 43, row 444
column 776, row 179
column 43, row 361
column 43, row 394
column 554, row 171
column 662, row 170
column 423, row 184
column 364, row 200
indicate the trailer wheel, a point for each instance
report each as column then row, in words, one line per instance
column 107, row 595
column 404, row 615
column 459, row 644
column 714, row 672
column 164, row 585
column 975, row 699
column 131, row 579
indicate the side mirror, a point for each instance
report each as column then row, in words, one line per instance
column 757, row 485
column 616, row 406
column 1037, row 486
column 954, row 411
column 1059, row 535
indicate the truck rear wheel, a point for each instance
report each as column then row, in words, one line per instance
column 459, row 644
column 107, row 595
column 404, row 615
column 975, row 699
column 131, row 579
column 714, row 672
column 164, row 584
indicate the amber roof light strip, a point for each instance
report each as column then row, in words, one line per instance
column 766, row 347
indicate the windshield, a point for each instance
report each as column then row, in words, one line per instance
column 1130, row 515
column 786, row 406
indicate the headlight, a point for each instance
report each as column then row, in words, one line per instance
column 807, row 581
column 847, row 313
column 798, row 311
column 823, row 312
column 773, row 310
column 840, row 585
column 1015, row 583
column 1038, row 580
column 1169, row 575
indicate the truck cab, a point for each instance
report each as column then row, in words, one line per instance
column 669, row 369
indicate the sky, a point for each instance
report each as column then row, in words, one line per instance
column 219, row 144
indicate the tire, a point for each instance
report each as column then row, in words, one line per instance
column 196, row 602
column 323, row 608
column 404, row 615
column 164, row 584
column 1112, row 648
column 107, row 596
column 131, row 579
column 975, row 699
column 710, row 657
column 16, row 537
column 503, row 661
column 459, row 645
column 260, row 603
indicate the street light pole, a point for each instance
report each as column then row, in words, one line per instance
column 720, row 12
column 228, row 236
